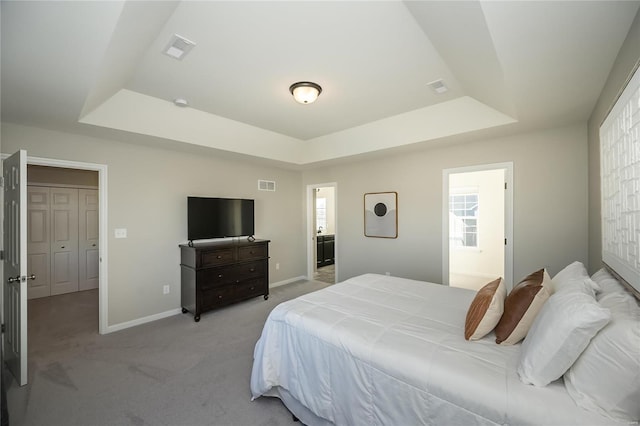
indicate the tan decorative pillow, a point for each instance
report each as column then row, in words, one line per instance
column 522, row 306
column 485, row 310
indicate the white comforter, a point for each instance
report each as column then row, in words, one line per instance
column 379, row 350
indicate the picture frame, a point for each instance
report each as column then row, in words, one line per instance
column 381, row 214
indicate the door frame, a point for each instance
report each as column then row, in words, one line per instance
column 103, row 293
column 508, row 216
column 310, row 227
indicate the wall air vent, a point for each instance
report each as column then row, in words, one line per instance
column 266, row 185
column 178, row 47
column 438, row 86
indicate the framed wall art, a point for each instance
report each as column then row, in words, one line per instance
column 381, row 214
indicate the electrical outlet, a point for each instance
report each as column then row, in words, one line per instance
column 120, row 233
column 166, row 289
column 277, row 266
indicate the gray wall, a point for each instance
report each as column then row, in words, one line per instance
column 628, row 57
column 147, row 193
column 550, row 203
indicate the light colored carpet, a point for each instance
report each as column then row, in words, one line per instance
column 172, row 372
column 326, row 274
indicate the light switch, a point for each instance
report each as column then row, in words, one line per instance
column 121, row 233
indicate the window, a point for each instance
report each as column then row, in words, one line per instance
column 321, row 214
column 463, row 213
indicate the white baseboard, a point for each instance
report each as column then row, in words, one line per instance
column 155, row 317
column 144, row 320
column 289, row 281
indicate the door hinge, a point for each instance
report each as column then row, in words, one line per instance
column 3, row 328
column 505, row 241
column 1, row 181
column 505, row 185
column 1, row 254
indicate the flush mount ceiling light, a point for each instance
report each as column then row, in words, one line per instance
column 305, row 92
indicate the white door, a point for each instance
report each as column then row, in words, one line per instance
column 38, row 237
column 64, row 240
column 15, row 265
column 88, row 230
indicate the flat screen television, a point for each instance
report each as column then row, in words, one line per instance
column 219, row 217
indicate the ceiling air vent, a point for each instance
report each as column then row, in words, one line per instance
column 178, row 47
column 266, row 185
column 438, row 86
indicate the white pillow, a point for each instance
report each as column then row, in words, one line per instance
column 572, row 270
column 607, row 283
column 561, row 331
column 573, row 274
column 606, row 377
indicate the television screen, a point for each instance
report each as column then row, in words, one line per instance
column 219, row 217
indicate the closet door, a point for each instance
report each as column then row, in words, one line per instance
column 64, row 240
column 88, row 238
column 38, row 241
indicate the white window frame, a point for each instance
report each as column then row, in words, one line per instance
column 321, row 213
column 465, row 193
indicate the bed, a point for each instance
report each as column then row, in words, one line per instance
column 381, row 350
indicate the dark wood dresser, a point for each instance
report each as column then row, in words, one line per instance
column 221, row 273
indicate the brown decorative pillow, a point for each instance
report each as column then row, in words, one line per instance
column 485, row 310
column 521, row 307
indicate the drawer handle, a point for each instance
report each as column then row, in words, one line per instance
column 250, row 251
column 219, row 256
column 220, row 276
column 219, row 296
column 252, row 269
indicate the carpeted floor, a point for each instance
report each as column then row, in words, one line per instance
column 326, row 274
column 169, row 372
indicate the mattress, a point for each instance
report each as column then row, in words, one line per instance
column 380, row 350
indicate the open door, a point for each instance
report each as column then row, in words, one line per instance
column 15, row 265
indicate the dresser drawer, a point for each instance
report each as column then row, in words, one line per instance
column 216, row 277
column 250, row 270
column 249, row 289
column 252, row 252
column 217, row 297
column 216, row 257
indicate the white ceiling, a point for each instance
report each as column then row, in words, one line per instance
column 98, row 68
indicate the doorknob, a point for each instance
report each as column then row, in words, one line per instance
column 17, row 278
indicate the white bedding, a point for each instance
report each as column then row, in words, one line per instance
column 379, row 350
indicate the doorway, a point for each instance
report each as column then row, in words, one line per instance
column 322, row 227
column 477, row 225
column 17, row 231
column 62, row 230
column 102, row 170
